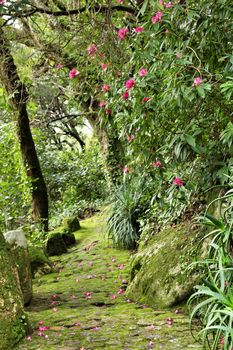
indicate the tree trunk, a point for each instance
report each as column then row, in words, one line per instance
column 18, row 97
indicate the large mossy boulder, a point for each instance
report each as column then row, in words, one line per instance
column 55, row 244
column 71, row 224
column 13, row 321
column 19, row 249
column 40, row 263
column 158, row 274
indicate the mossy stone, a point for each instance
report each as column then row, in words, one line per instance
column 20, row 255
column 71, row 224
column 68, row 238
column 40, row 263
column 158, row 276
column 55, row 244
column 13, row 322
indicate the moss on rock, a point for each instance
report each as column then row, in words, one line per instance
column 13, row 322
column 158, row 276
column 55, row 244
column 40, row 263
column 20, row 255
column 71, row 224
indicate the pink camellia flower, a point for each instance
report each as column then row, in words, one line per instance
column 146, row 99
column 88, row 295
column 222, row 342
column 44, row 328
column 157, row 164
column 40, row 322
column 177, row 181
column 40, row 334
column 122, row 33
column 120, row 266
column 129, row 84
column 92, row 50
column 151, row 344
column 120, row 291
column 113, row 296
column 102, row 104
column 104, row 66
column 59, row 66
column 142, row 72
column 105, row 88
column 161, row 2
column 126, row 170
column 73, row 73
column 157, row 17
column 197, row 81
column 168, row 5
column 138, row 29
column 125, row 95
column 169, row 321
column 108, row 111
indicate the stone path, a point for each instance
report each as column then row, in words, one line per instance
column 83, row 306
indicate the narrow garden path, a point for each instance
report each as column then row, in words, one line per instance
column 85, row 307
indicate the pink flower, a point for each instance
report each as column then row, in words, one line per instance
column 146, row 99
column 120, row 266
column 92, row 50
column 108, row 111
column 222, row 342
column 122, row 33
column 104, row 66
column 105, row 88
column 113, row 296
column 120, row 1
column 161, row 2
column 169, row 321
column 95, row 329
column 120, row 291
column 157, row 164
column 77, row 324
column 138, row 29
column 102, row 104
column 177, row 311
column 88, row 295
column 142, row 72
column 46, row 336
column 169, row 5
column 40, row 334
column 130, row 138
column 125, row 95
column 40, row 322
column 29, row 338
column 59, row 66
column 113, row 259
column 129, row 84
column 151, row 344
column 177, row 181
column 2, row 2
column 125, row 171
column 197, row 81
column 157, row 17
column 44, row 328
column 73, row 73
column 54, row 296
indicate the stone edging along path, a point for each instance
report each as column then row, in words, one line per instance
column 83, row 306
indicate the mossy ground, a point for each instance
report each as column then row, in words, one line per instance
column 98, row 321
